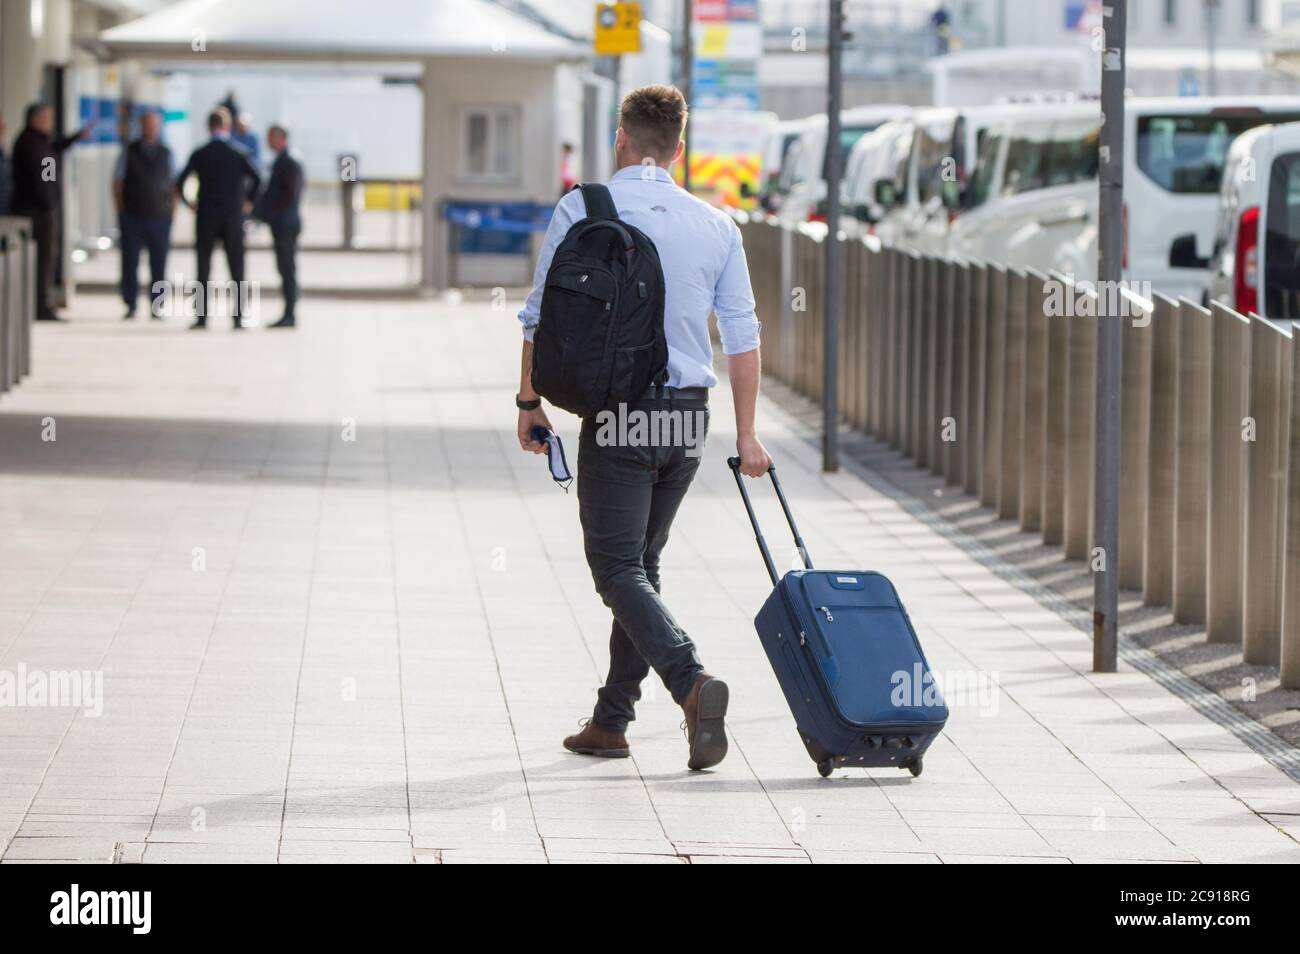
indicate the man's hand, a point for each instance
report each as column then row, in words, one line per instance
column 754, row 458
column 527, row 421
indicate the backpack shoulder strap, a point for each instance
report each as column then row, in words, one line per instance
column 600, row 204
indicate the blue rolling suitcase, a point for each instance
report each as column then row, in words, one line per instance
column 847, row 659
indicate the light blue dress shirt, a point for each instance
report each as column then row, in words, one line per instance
column 703, row 262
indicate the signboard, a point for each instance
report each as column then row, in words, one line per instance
column 618, row 28
column 728, row 40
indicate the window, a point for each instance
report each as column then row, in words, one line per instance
column 1073, row 152
column 981, row 179
column 1252, row 13
column 933, row 147
column 1171, row 12
column 1185, row 154
column 1027, row 158
column 490, row 144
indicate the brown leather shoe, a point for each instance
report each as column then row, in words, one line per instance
column 706, row 735
column 602, row 743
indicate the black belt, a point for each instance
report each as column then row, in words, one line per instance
column 677, row 394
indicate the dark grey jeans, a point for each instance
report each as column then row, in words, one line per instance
column 628, row 495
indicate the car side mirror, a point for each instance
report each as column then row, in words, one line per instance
column 1182, row 253
column 886, row 193
column 862, row 212
column 745, row 191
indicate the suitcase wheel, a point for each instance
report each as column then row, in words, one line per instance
column 825, row 767
column 913, row 765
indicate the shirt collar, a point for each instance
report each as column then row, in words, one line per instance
column 638, row 171
column 223, row 136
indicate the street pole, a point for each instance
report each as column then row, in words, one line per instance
column 1211, row 24
column 688, row 56
column 1110, row 353
column 831, row 317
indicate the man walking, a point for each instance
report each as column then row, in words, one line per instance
column 227, row 184
column 628, row 494
column 278, row 208
column 146, row 201
column 37, row 192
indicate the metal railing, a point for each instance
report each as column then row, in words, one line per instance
column 984, row 375
column 17, row 299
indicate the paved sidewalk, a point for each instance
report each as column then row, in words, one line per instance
column 318, row 648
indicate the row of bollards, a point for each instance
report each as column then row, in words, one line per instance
column 985, row 376
column 17, row 299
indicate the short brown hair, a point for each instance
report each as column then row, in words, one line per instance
column 219, row 118
column 653, row 118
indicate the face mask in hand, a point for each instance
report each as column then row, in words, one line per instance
column 554, row 456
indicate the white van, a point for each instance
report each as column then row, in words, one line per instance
column 1034, row 191
column 1257, row 241
column 1175, row 152
column 779, row 138
column 877, row 155
column 944, row 145
column 803, row 174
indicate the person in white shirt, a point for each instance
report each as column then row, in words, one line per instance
column 630, row 487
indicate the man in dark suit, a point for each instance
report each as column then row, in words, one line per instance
column 227, row 184
column 278, row 208
column 146, row 199
column 37, row 191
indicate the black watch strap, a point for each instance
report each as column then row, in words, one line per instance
column 532, row 405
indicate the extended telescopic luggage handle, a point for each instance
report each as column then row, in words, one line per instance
column 734, row 464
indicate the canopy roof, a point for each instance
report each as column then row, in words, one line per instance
column 336, row 30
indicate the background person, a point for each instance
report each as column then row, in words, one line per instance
column 278, row 208
column 227, row 184
column 37, row 192
column 146, row 200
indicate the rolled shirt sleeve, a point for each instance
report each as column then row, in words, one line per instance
column 733, row 301
column 562, row 219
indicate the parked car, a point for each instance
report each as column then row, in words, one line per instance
column 803, row 174
column 1255, row 265
column 876, row 155
column 1033, row 191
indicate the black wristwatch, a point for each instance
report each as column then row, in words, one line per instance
column 532, row 405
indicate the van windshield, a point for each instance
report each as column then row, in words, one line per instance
column 849, row 136
column 1185, row 154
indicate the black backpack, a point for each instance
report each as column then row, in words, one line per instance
column 600, row 338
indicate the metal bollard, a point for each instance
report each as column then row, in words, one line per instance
column 902, row 311
column 977, row 333
column 1192, row 462
column 1034, row 413
column 1162, row 430
column 1080, row 424
column 994, row 373
column 1135, row 390
column 1055, row 396
column 1289, row 666
column 958, row 308
column 889, row 341
column 1229, row 361
column 8, row 255
column 922, row 363
column 1013, row 396
column 941, row 410
column 1268, row 404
